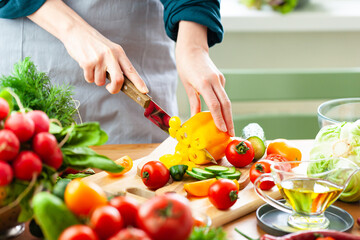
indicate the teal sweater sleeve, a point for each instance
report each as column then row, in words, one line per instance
column 205, row 12
column 19, row 8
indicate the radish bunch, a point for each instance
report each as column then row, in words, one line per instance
column 25, row 144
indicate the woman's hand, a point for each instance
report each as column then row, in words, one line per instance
column 200, row 75
column 95, row 54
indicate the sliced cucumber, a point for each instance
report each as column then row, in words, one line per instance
column 258, row 145
column 235, row 175
column 254, row 133
column 197, row 176
column 231, row 170
column 203, row 172
column 217, row 169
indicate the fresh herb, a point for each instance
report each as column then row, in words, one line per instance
column 207, row 233
column 36, row 92
column 76, row 151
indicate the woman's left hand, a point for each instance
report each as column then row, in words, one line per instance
column 199, row 75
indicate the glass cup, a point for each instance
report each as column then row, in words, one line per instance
column 339, row 110
column 309, row 188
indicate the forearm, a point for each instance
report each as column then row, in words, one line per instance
column 58, row 19
column 186, row 36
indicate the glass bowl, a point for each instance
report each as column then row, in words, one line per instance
column 338, row 110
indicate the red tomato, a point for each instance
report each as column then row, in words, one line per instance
column 239, row 153
column 128, row 209
column 106, row 221
column 223, row 194
column 258, row 169
column 166, row 215
column 154, row 174
column 131, row 234
column 276, row 157
column 78, row 232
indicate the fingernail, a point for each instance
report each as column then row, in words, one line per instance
column 145, row 89
column 223, row 128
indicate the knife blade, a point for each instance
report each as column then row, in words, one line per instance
column 153, row 111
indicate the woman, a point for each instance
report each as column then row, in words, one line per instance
column 121, row 37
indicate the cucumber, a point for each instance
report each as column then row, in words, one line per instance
column 217, row 169
column 231, row 170
column 203, row 172
column 52, row 215
column 254, row 133
column 197, row 176
column 235, row 175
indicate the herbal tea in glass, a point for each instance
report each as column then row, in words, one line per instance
column 307, row 190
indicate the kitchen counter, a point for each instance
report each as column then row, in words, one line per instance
column 246, row 224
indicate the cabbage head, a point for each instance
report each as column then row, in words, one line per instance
column 339, row 140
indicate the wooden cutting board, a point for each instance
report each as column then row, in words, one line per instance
column 131, row 184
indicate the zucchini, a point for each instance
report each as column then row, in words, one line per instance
column 197, row 176
column 254, row 133
column 235, row 175
column 217, row 169
column 203, row 172
column 52, row 215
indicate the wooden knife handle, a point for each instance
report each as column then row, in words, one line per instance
column 131, row 91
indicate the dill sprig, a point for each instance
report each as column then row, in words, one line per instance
column 37, row 92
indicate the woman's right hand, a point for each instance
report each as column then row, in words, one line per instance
column 95, row 54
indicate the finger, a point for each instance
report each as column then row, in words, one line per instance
column 222, row 79
column 99, row 76
column 116, row 78
column 131, row 73
column 214, row 105
column 194, row 99
column 89, row 74
column 225, row 108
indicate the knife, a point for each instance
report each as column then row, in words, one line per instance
column 153, row 111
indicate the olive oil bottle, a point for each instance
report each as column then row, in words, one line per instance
column 309, row 196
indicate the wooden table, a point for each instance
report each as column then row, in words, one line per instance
column 246, row 224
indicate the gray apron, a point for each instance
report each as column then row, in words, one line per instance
column 137, row 25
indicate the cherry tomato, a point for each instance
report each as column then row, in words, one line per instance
column 78, row 232
column 131, row 234
column 128, row 209
column 82, row 197
column 154, row 174
column 106, row 221
column 223, row 194
column 166, row 215
column 259, row 168
column 239, row 153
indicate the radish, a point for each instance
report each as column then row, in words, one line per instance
column 55, row 160
column 21, row 125
column 44, row 144
column 41, row 121
column 4, row 108
column 26, row 165
column 9, row 145
column 6, row 174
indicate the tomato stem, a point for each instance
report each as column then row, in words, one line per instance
column 145, row 175
column 233, row 195
column 259, row 168
column 241, row 148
